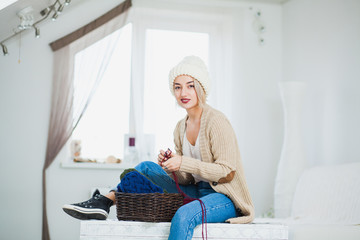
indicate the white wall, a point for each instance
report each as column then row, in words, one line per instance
column 258, row 117
column 321, row 47
column 25, row 95
column 24, row 112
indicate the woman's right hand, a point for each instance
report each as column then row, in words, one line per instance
column 161, row 157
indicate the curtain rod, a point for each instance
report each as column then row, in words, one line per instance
column 66, row 40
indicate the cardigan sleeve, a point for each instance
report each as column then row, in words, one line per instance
column 224, row 153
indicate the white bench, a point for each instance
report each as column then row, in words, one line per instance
column 129, row 230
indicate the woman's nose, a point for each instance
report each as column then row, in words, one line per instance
column 183, row 92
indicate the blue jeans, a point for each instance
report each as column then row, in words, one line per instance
column 218, row 206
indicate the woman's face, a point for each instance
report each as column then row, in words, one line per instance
column 185, row 93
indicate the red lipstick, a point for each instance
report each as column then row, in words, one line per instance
column 185, row 100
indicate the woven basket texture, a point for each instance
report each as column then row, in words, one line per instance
column 147, row 207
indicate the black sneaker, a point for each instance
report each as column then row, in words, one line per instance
column 97, row 207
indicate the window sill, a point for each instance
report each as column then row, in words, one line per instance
column 115, row 166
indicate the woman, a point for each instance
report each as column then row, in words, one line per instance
column 207, row 161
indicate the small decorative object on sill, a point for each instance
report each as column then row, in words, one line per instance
column 130, row 151
column 75, row 148
column 112, row 159
column 84, row 160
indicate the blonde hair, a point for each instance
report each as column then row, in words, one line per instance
column 200, row 93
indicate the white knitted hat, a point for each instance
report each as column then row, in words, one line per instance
column 194, row 67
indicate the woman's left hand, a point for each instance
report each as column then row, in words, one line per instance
column 172, row 164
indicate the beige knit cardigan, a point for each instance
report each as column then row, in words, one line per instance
column 221, row 161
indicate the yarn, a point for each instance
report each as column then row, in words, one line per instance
column 126, row 171
column 135, row 182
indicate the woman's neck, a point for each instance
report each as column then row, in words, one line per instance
column 194, row 113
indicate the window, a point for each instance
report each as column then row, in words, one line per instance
column 133, row 98
column 164, row 49
column 102, row 127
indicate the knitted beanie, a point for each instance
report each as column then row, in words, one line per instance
column 194, row 67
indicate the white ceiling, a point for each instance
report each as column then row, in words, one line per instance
column 9, row 19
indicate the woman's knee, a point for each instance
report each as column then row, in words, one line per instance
column 143, row 167
column 181, row 217
column 183, row 224
column 185, row 215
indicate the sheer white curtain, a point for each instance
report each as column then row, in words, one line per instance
column 293, row 160
column 69, row 98
column 89, row 69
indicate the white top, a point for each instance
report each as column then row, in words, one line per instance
column 192, row 151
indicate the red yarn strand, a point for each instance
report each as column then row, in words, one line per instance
column 188, row 199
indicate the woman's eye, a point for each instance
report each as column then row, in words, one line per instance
column 191, row 86
column 177, row 88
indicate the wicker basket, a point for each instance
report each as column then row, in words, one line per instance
column 147, row 207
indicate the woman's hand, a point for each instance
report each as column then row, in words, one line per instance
column 161, row 157
column 172, row 164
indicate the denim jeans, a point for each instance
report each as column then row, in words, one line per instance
column 218, row 206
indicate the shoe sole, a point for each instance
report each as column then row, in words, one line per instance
column 85, row 213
